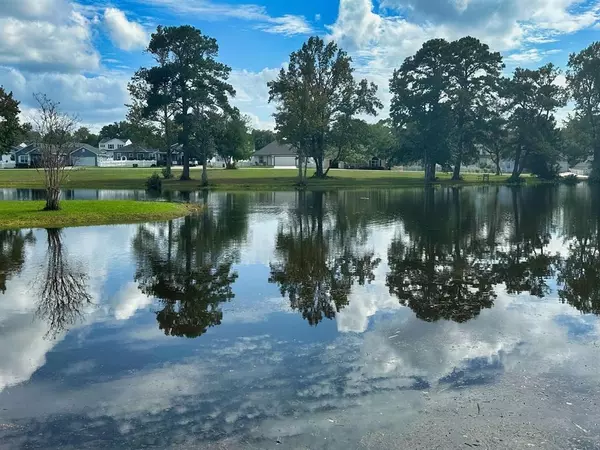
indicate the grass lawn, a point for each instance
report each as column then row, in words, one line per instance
column 247, row 178
column 29, row 214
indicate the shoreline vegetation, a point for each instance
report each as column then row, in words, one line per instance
column 73, row 213
column 243, row 178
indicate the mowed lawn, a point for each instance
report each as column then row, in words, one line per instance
column 19, row 214
column 258, row 178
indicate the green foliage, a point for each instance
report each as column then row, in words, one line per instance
column 85, row 136
column 262, row 138
column 167, row 173
column 9, row 121
column 583, row 78
column 419, row 110
column 532, row 98
column 232, row 141
column 317, row 93
column 473, row 77
column 192, row 83
column 154, row 182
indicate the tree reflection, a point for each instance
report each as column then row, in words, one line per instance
column 316, row 269
column 579, row 275
column 187, row 265
column 441, row 266
column 12, row 253
column 63, row 292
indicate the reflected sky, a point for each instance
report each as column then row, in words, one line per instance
column 445, row 317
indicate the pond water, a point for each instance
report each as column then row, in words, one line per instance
column 414, row 318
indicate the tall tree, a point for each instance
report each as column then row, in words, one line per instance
column 9, row 121
column 262, row 138
column 153, row 99
column 494, row 132
column 533, row 96
column 316, row 90
column 474, row 74
column 583, row 78
column 420, row 109
column 197, row 81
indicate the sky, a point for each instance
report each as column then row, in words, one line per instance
column 83, row 53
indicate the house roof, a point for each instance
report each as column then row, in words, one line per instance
column 276, row 149
column 79, row 145
column 105, row 140
column 137, row 148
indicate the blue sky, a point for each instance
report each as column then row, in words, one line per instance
column 82, row 53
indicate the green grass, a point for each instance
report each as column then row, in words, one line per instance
column 30, row 214
column 247, row 178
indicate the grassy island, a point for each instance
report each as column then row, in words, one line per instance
column 30, row 214
column 246, row 179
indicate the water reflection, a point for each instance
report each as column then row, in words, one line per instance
column 188, row 266
column 440, row 300
column 62, row 288
column 316, row 262
column 12, row 253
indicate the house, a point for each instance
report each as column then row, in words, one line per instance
column 275, row 154
column 133, row 152
column 28, row 156
column 85, row 155
column 374, row 163
column 107, row 144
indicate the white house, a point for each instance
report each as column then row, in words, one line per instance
column 275, row 154
column 113, row 144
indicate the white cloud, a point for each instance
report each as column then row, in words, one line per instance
column 532, row 55
column 96, row 100
column 252, row 95
column 47, row 10
column 129, row 300
column 124, row 34
column 47, row 46
column 287, row 24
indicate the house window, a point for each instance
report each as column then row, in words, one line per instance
column 117, row 156
column 131, row 155
column 120, row 146
column 111, row 146
column 23, row 159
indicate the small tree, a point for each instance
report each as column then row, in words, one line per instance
column 55, row 144
column 232, row 141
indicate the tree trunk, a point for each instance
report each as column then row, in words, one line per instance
column 516, row 172
column 429, row 172
column 319, row 167
column 52, row 199
column 204, row 172
column 169, row 161
column 498, row 171
column 456, row 172
column 595, row 174
column 300, row 178
column 185, row 175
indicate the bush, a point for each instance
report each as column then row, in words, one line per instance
column 154, row 183
column 167, row 174
column 135, row 166
column 570, row 179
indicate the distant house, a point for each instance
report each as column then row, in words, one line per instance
column 369, row 163
column 133, row 152
column 85, row 155
column 275, row 154
column 80, row 155
column 107, row 144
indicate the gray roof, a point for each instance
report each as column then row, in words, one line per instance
column 79, row 145
column 105, row 140
column 135, row 148
column 276, row 149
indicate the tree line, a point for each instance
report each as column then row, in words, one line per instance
column 451, row 103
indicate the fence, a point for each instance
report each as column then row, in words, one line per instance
column 127, row 163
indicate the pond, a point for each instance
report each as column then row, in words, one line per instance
column 412, row 318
